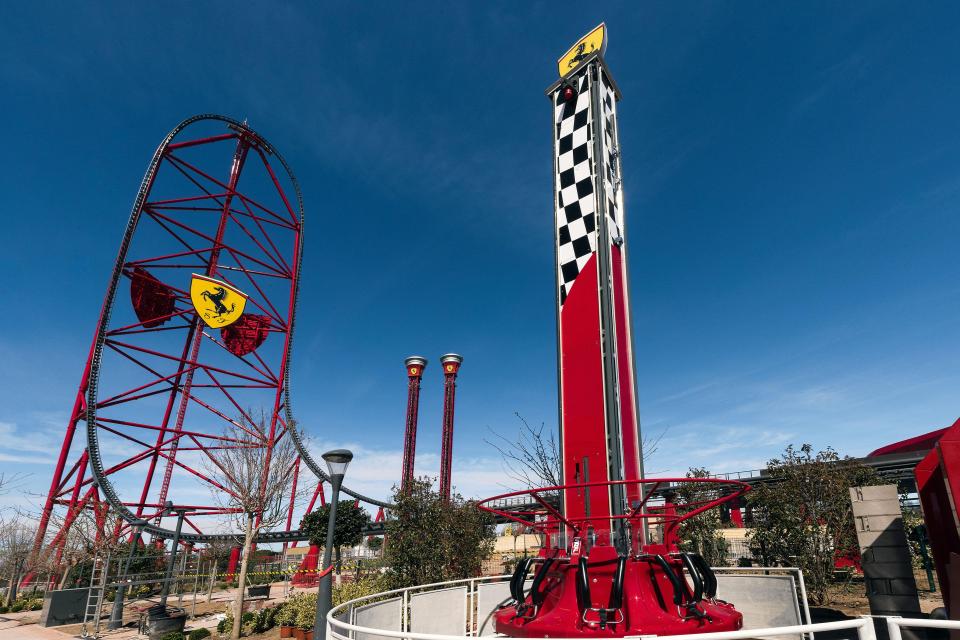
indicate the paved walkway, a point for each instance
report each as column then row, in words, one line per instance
column 23, row 625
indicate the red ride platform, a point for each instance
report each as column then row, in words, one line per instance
column 613, row 576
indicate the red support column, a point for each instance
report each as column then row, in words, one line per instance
column 451, row 365
column 415, row 366
column 306, row 575
column 232, row 563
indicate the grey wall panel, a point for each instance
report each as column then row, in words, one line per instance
column 764, row 601
column 490, row 595
column 443, row 611
column 379, row 615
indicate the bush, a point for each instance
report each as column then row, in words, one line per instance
column 304, row 607
column 433, row 539
column 17, row 607
column 3, row 609
column 365, row 586
column 222, row 626
column 286, row 615
column 173, row 635
column 35, row 605
column 270, row 617
column 199, row 634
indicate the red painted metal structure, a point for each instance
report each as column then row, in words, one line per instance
column 159, row 387
column 938, row 484
column 415, row 366
column 451, row 366
column 586, row 584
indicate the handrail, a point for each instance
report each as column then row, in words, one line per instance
column 895, row 622
column 340, row 629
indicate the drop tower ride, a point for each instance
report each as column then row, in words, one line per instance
column 599, row 425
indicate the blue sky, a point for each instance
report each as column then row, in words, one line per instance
column 792, row 176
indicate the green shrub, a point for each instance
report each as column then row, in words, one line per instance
column 173, row 635
column 271, row 617
column 17, row 606
column 3, row 609
column 286, row 615
column 366, row 586
column 248, row 616
column 199, row 634
column 35, row 605
column 222, row 626
column 306, row 608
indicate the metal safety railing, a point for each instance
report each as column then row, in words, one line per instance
column 343, row 622
column 895, row 623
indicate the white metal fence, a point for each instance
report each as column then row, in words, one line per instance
column 460, row 609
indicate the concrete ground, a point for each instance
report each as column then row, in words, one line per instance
column 23, row 625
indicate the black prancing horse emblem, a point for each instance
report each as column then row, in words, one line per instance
column 581, row 54
column 216, row 297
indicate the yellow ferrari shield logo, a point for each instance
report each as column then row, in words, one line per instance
column 596, row 40
column 216, row 302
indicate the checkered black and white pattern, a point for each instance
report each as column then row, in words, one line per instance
column 576, row 201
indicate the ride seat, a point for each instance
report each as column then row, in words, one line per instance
column 604, row 566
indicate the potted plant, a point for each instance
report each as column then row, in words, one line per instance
column 306, row 615
column 258, row 587
column 286, row 617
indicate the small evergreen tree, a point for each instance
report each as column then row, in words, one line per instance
column 803, row 517
column 432, row 540
column 351, row 520
column 701, row 533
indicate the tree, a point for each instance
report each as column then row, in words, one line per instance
column 803, row 517
column 238, row 465
column 701, row 533
column 16, row 545
column 432, row 540
column 532, row 458
column 351, row 519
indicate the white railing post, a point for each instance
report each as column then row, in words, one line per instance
column 469, row 605
column 866, row 631
column 893, row 627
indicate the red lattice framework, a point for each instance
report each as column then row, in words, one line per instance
column 160, row 388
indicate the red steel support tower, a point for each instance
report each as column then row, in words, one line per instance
column 451, row 365
column 415, row 366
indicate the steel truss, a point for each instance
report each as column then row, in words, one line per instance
column 160, row 388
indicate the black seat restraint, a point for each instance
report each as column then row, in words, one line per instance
column 519, row 577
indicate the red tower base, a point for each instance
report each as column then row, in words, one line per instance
column 599, row 577
column 306, row 575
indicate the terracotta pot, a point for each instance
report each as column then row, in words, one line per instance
column 286, row 631
column 299, row 634
column 309, row 635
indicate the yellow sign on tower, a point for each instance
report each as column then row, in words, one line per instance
column 596, row 40
column 217, row 303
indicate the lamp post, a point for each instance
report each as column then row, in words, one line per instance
column 337, row 461
column 168, row 508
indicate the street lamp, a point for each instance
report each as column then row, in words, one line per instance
column 337, row 461
column 168, row 509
